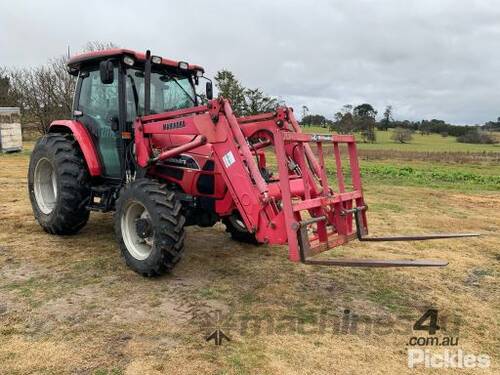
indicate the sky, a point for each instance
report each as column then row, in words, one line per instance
column 428, row 59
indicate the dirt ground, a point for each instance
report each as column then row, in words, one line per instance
column 70, row 305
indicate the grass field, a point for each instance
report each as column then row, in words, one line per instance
column 426, row 143
column 70, row 305
column 429, row 160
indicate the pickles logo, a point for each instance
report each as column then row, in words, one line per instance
column 446, row 359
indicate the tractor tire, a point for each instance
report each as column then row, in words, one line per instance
column 58, row 185
column 149, row 227
column 236, row 228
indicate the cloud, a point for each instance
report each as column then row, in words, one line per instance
column 428, row 59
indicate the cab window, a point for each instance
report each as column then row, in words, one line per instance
column 168, row 92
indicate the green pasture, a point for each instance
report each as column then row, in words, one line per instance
column 427, row 143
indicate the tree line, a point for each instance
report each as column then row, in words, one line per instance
column 362, row 119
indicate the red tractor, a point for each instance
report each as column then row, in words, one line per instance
column 141, row 144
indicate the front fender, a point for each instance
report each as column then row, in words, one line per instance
column 84, row 139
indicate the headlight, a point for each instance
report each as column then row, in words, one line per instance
column 199, row 73
column 156, row 59
column 128, row 60
column 183, row 65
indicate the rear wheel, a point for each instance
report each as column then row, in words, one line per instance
column 58, row 185
column 149, row 227
column 235, row 226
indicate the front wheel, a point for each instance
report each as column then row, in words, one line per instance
column 149, row 227
column 237, row 229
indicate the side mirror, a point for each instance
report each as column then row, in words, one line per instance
column 106, row 71
column 209, row 91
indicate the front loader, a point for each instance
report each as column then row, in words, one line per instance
column 142, row 145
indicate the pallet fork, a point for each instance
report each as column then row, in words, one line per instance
column 339, row 213
column 332, row 214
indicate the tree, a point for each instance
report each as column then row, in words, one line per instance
column 368, row 130
column 244, row 101
column 97, row 45
column 336, row 122
column 318, row 120
column 346, row 124
column 344, row 121
column 305, row 112
column 257, row 102
column 230, row 88
column 364, row 110
column 364, row 119
column 45, row 93
column 387, row 119
column 401, row 135
column 347, row 108
column 6, row 96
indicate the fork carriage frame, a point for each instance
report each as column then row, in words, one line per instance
column 283, row 210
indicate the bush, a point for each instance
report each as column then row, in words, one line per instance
column 401, row 135
column 478, row 137
column 444, row 134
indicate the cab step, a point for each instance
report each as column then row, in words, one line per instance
column 102, row 198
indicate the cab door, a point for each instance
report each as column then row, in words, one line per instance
column 99, row 107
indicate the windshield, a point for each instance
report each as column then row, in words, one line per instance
column 168, row 92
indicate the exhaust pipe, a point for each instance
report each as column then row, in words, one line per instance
column 147, row 84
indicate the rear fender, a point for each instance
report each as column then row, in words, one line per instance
column 84, row 139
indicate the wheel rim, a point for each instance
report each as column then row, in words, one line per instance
column 238, row 223
column 140, row 248
column 45, row 186
column 241, row 224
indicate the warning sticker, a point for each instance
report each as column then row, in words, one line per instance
column 228, row 159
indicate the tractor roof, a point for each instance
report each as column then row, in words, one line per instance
column 76, row 61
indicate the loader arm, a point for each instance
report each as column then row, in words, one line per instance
column 299, row 208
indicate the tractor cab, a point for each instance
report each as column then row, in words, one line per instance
column 110, row 95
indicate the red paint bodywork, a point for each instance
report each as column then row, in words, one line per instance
column 76, row 60
column 273, row 210
column 84, row 139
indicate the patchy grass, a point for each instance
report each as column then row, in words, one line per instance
column 390, row 298
column 70, row 305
